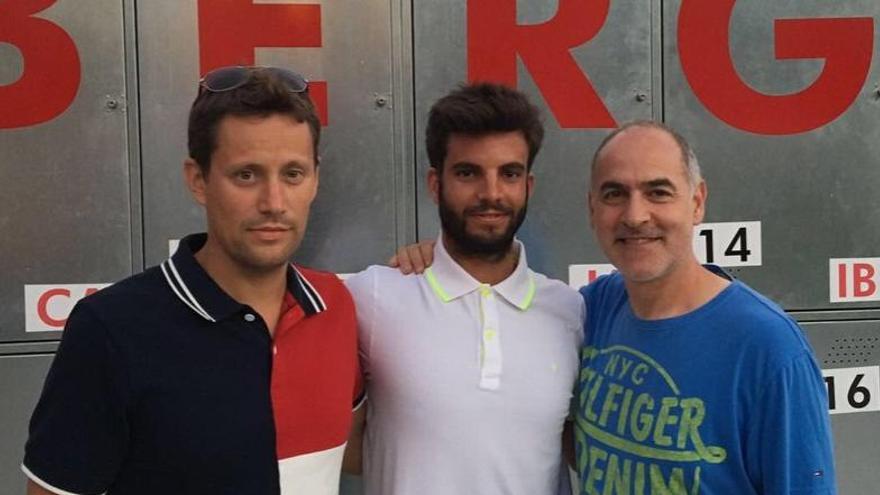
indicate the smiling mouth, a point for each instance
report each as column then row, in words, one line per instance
column 637, row 241
column 490, row 219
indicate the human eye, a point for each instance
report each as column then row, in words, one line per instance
column 464, row 172
column 613, row 196
column 294, row 175
column 244, row 175
column 512, row 173
column 660, row 194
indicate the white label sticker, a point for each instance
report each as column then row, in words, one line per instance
column 853, row 279
column 728, row 243
column 852, row 390
column 48, row 306
column 581, row 275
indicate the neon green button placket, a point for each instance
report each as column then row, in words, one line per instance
column 490, row 342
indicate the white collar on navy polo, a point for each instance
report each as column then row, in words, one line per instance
column 197, row 290
column 450, row 281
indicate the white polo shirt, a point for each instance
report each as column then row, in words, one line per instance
column 468, row 384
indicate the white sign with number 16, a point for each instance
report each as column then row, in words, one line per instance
column 853, row 389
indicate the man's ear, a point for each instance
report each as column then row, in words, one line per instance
column 530, row 184
column 316, row 183
column 701, row 192
column 434, row 184
column 590, row 210
column 195, row 180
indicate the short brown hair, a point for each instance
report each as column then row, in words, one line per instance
column 262, row 95
column 480, row 109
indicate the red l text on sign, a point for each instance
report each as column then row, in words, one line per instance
column 854, row 279
column 48, row 306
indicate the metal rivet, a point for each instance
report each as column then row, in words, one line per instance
column 641, row 97
column 112, row 103
column 381, row 101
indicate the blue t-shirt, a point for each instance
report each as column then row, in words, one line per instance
column 726, row 399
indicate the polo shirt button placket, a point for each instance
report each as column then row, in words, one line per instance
column 490, row 342
column 249, row 317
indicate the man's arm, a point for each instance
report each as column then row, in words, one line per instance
column 352, row 462
column 84, row 392
column 790, row 445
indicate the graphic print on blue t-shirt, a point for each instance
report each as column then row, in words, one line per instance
column 632, row 426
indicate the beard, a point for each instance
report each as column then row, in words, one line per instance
column 484, row 246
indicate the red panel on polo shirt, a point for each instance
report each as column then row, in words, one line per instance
column 316, row 377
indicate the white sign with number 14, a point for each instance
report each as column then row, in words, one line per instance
column 728, row 243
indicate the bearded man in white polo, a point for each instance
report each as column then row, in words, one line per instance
column 470, row 366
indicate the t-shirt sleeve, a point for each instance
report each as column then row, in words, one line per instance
column 362, row 288
column 78, row 434
column 789, row 448
column 360, row 391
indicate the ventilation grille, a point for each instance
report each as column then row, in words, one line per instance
column 851, row 350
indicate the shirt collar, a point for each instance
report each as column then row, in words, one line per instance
column 450, row 281
column 192, row 284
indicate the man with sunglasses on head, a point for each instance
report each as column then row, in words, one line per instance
column 470, row 367
column 226, row 369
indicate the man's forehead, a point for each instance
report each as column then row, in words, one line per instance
column 505, row 146
column 638, row 139
column 649, row 152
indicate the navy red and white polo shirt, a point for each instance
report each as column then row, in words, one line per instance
column 165, row 384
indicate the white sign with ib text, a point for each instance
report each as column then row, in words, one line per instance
column 854, row 279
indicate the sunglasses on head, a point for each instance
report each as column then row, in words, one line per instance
column 232, row 77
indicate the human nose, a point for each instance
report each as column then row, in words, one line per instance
column 491, row 189
column 636, row 212
column 272, row 197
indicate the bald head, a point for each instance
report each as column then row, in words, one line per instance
column 690, row 165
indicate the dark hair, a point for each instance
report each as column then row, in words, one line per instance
column 480, row 109
column 262, row 95
column 688, row 157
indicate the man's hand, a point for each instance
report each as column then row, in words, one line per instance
column 413, row 258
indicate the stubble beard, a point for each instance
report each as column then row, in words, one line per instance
column 488, row 248
column 258, row 259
